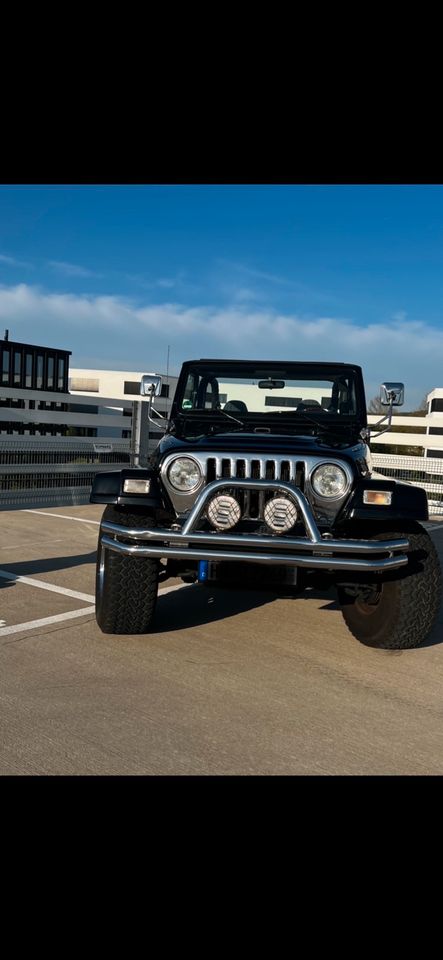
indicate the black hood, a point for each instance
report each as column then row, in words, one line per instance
column 248, row 443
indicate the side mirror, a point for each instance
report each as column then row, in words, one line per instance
column 392, row 393
column 150, row 386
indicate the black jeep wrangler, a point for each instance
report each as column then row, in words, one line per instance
column 265, row 467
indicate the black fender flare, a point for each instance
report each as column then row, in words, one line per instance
column 107, row 487
column 408, row 502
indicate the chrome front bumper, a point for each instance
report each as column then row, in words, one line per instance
column 313, row 550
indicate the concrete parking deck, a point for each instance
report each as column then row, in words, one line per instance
column 228, row 682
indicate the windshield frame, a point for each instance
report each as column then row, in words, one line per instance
column 287, row 370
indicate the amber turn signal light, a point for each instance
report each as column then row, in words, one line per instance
column 381, row 498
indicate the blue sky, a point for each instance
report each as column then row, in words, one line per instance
column 118, row 273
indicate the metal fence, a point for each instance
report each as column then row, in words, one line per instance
column 54, row 471
column 422, row 461
column 39, row 469
column 425, row 472
column 58, row 471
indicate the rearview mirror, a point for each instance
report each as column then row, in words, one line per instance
column 271, row 384
column 150, row 386
column 392, row 393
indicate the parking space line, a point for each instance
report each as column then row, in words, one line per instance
column 60, row 617
column 61, row 516
column 6, row 575
column 45, row 621
column 42, row 585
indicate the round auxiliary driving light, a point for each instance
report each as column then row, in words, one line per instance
column 184, row 474
column 280, row 514
column 329, row 480
column 223, row 512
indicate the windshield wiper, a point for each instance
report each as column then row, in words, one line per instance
column 194, row 415
column 332, row 429
column 211, row 427
column 236, row 420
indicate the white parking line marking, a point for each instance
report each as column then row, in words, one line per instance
column 61, row 516
column 45, row 621
column 6, row 575
column 69, row 615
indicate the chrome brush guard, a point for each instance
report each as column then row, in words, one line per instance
column 312, row 550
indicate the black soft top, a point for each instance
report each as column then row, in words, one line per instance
column 306, row 367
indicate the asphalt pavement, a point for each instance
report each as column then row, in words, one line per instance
column 229, row 682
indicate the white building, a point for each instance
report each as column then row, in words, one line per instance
column 435, row 411
column 122, row 385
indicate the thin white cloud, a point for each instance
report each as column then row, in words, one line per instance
column 13, row 262
column 396, row 349
column 166, row 283
column 287, row 285
column 246, row 295
column 72, row 269
column 250, row 272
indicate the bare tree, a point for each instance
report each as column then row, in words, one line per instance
column 419, row 411
column 375, row 406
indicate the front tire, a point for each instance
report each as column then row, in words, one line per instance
column 396, row 611
column 126, row 586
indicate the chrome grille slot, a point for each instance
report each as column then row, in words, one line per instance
column 285, row 472
column 210, row 470
column 300, row 475
column 270, row 470
column 255, row 470
column 226, row 468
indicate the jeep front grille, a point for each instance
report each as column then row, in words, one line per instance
column 243, row 468
column 279, row 468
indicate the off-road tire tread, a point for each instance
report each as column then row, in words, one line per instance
column 130, row 585
column 419, row 592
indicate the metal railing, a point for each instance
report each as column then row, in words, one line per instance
column 51, row 471
column 416, row 465
column 425, row 472
column 54, row 471
column 421, row 440
column 44, row 470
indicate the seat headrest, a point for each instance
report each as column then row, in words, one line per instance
column 235, row 406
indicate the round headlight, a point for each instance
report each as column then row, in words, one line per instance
column 329, row 480
column 184, row 474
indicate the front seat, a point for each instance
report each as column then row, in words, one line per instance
column 235, row 406
column 307, row 404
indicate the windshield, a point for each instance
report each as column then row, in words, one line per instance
column 326, row 393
